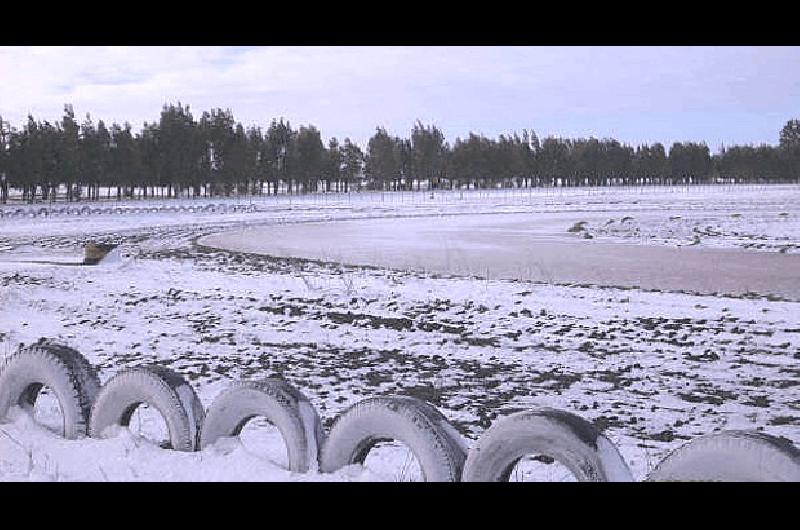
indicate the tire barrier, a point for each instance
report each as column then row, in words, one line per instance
column 89, row 409
column 165, row 390
column 282, row 405
column 65, row 371
column 435, row 443
column 46, row 212
column 565, row 437
column 731, row 456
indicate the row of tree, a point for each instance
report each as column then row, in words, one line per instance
column 215, row 155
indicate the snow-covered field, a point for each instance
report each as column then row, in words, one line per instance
column 654, row 368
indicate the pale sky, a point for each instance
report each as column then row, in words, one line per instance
column 634, row 94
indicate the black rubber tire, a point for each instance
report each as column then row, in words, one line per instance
column 436, row 444
column 563, row 436
column 165, row 390
column 731, row 456
column 282, row 405
column 64, row 370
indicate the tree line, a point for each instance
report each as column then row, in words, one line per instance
column 180, row 156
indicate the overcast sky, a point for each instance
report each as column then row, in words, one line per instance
column 635, row 94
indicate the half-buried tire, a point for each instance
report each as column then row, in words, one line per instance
column 435, row 443
column 731, row 456
column 282, row 405
column 66, row 372
column 565, row 437
column 165, row 390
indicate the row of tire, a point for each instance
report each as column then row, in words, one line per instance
column 92, row 409
column 67, row 211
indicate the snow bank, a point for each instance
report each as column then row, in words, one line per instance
column 31, row 452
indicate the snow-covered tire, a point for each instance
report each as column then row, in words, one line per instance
column 435, row 443
column 66, row 372
column 165, row 390
column 731, row 456
column 282, row 405
column 565, row 437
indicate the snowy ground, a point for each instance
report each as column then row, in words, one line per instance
column 655, row 369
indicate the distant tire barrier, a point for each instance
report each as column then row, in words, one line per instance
column 66, row 372
column 565, row 437
column 165, row 390
column 731, row 456
column 282, row 405
column 435, row 443
column 87, row 210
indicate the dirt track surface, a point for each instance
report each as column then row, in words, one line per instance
column 536, row 247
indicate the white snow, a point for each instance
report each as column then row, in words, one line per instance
column 655, row 368
column 30, row 452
